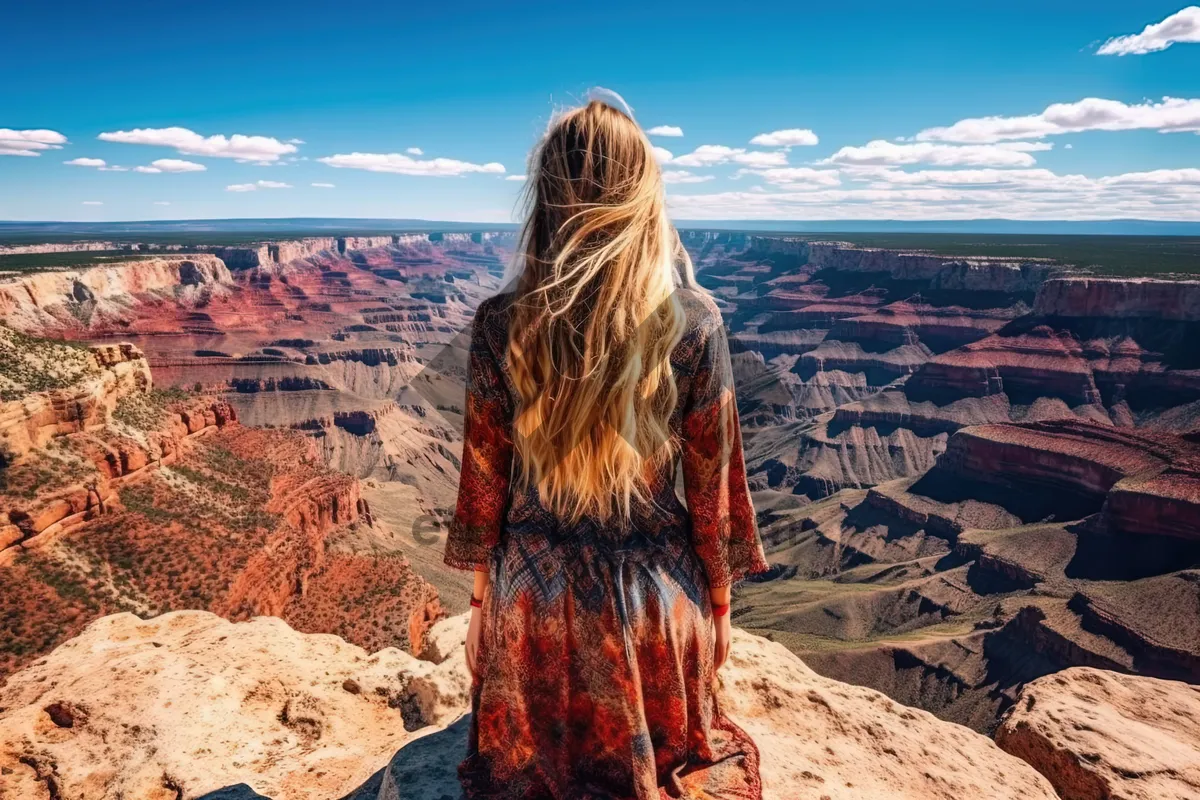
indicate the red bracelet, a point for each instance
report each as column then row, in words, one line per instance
column 720, row 611
column 476, row 602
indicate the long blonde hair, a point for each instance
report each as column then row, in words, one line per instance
column 595, row 317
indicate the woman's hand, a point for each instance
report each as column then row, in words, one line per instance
column 722, row 629
column 722, row 637
column 474, row 630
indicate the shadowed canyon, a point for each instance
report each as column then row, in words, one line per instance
column 977, row 482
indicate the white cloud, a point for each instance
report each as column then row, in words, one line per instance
column 148, row 170
column 86, row 162
column 888, row 193
column 92, row 203
column 414, row 151
column 707, row 155
column 795, row 176
column 29, row 142
column 250, row 187
column 666, row 130
column 790, row 137
column 758, row 158
column 514, row 177
column 161, row 203
column 881, row 152
column 324, row 185
column 175, row 165
column 295, row 141
column 190, row 143
column 1172, row 115
column 1158, row 177
column 662, row 155
column 1182, row 26
column 401, row 164
column 683, row 176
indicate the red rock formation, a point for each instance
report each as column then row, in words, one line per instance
column 1119, row 298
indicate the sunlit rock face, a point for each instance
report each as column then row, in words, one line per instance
column 1096, row 734
column 187, row 703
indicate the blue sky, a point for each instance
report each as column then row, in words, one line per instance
column 880, row 87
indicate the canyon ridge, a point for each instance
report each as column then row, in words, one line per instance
column 977, row 481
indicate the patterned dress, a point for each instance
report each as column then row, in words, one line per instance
column 595, row 669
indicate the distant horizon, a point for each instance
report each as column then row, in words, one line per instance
column 286, row 225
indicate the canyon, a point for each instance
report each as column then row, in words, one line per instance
column 973, row 476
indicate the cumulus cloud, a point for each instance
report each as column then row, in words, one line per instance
column 683, row 176
column 414, row 151
column 86, row 162
column 888, row 193
column 324, row 185
column 790, row 137
column 666, row 130
column 250, row 187
column 881, row 152
column 401, row 164
column 190, row 143
column 174, row 165
column 794, row 176
column 662, row 155
column 1171, row 115
column 295, row 141
column 1182, row 26
column 29, row 142
column 707, row 155
column 514, row 177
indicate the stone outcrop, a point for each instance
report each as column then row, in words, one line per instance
column 34, row 521
column 72, row 299
column 1144, row 483
column 1097, row 735
column 944, row 272
column 187, row 703
column 101, row 377
column 1120, row 298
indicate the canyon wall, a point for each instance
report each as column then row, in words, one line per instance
column 55, row 300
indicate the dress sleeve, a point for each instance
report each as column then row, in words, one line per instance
column 483, row 486
column 724, row 529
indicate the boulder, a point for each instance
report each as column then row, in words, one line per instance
column 1101, row 735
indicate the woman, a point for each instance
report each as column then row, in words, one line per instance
column 601, row 605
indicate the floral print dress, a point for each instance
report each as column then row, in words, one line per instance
column 595, row 670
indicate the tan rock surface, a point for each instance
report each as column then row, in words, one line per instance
column 820, row 738
column 188, row 703
column 1100, row 735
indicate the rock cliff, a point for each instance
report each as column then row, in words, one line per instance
column 1095, row 734
column 187, row 703
column 53, row 301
